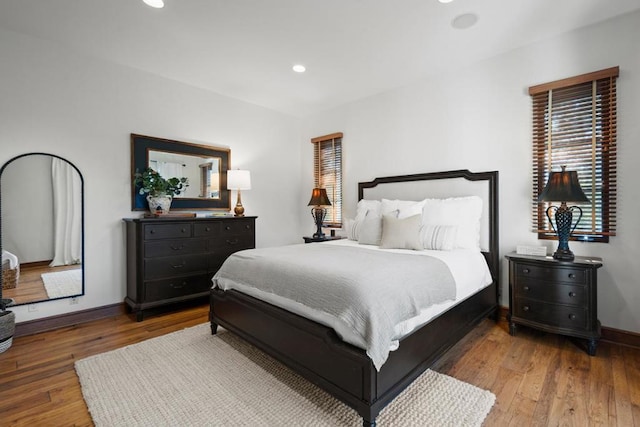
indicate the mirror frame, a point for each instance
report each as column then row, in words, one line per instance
column 140, row 146
column 7, row 163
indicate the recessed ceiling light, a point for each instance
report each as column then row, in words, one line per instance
column 445, row 1
column 158, row 4
column 464, row 21
column 298, row 68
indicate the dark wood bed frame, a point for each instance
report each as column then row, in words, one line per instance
column 346, row 372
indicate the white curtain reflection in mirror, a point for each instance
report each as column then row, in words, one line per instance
column 67, row 214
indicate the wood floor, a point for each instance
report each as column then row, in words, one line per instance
column 539, row 379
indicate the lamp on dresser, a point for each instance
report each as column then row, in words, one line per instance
column 563, row 187
column 319, row 200
column 238, row 180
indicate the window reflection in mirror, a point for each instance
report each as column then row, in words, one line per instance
column 41, row 209
column 203, row 172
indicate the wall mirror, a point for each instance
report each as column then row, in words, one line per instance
column 41, row 229
column 205, row 167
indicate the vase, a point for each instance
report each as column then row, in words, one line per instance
column 159, row 204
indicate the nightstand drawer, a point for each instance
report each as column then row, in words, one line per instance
column 177, row 287
column 551, row 292
column 157, row 268
column 166, row 231
column 162, row 248
column 560, row 274
column 550, row 314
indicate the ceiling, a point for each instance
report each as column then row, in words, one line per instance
column 352, row 48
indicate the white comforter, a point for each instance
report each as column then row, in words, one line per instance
column 371, row 298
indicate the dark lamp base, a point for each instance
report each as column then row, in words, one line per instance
column 563, row 255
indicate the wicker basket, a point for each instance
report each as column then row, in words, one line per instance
column 7, row 329
column 9, row 276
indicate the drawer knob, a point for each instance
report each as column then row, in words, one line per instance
column 177, row 248
column 207, row 229
column 152, row 231
column 248, row 227
column 525, row 308
column 184, row 230
column 572, row 276
column 572, row 316
column 572, row 294
column 177, row 266
column 526, row 270
column 228, row 227
column 526, row 288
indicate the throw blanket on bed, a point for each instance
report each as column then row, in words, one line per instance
column 367, row 291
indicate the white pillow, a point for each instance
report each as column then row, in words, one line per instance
column 365, row 206
column 463, row 212
column 401, row 233
column 370, row 229
column 439, row 237
column 402, row 208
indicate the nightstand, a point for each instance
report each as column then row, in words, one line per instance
column 321, row 239
column 555, row 296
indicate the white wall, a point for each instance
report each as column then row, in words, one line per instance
column 479, row 119
column 55, row 101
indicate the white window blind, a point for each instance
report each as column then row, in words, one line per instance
column 574, row 124
column 327, row 161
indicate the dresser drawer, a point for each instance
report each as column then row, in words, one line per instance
column 571, row 317
column 156, row 268
column 551, row 292
column 230, row 244
column 158, row 290
column 560, row 274
column 166, row 231
column 163, row 248
column 237, row 227
column 207, row 229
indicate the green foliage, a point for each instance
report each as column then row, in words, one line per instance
column 150, row 182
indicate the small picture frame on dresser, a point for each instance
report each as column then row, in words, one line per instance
column 555, row 296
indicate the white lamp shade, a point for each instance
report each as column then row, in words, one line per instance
column 238, row 180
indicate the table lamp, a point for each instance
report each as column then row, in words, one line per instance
column 238, row 180
column 563, row 187
column 319, row 199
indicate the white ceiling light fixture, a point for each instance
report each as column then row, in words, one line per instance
column 299, row 68
column 464, row 21
column 445, row 1
column 158, row 4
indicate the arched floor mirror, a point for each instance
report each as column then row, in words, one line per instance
column 41, row 229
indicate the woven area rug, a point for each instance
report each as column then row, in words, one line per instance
column 63, row 283
column 191, row 378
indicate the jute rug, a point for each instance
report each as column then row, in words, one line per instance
column 63, row 283
column 191, row 378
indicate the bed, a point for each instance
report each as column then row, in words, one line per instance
column 345, row 370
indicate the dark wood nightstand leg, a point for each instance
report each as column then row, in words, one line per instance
column 513, row 328
column 214, row 328
column 591, row 348
column 139, row 316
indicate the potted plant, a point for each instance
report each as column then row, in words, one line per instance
column 159, row 190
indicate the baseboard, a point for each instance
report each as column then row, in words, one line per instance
column 31, row 327
column 610, row 335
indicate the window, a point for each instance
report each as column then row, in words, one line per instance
column 327, row 169
column 574, row 124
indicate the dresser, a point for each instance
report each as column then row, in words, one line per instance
column 555, row 296
column 171, row 260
